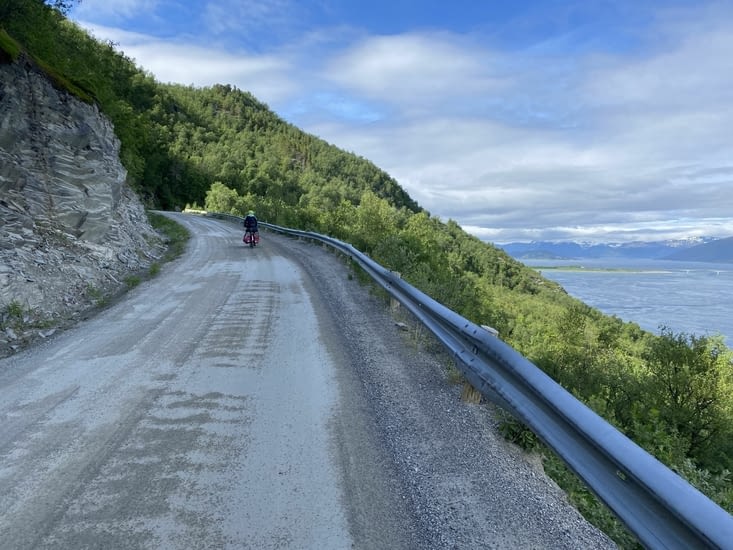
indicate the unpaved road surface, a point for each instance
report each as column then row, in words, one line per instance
column 258, row 398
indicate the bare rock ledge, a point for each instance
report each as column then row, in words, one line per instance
column 71, row 228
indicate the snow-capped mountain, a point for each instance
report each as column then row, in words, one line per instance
column 638, row 249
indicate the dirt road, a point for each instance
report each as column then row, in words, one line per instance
column 257, row 398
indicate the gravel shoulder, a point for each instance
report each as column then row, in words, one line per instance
column 462, row 484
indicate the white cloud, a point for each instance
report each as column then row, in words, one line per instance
column 414, row 69
column 116, row 35
column 247, row 15
column 265, row 76
column 641, row 137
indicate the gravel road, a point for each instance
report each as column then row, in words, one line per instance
column 258, row 398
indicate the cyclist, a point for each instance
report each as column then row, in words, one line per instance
column 250, row 226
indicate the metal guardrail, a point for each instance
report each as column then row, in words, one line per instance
column 663, row 510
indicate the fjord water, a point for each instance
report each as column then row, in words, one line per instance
column 695, row 298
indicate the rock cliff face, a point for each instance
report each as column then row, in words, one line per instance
column 71, row 229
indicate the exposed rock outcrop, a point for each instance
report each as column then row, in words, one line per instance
column 71, row 229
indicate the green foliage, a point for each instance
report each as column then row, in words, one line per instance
column 14, row 310
column 222, row 134
column 132, row 281
column 97, row 295
column 17, row 317
column 517, row 432
column 690, row 383
column 62, row 83
column 221, row 198
column 12, row 316
column 719, row 486
column 93, row 291
column 177, row 236
column 9, row 48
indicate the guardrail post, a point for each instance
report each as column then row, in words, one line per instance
column 394, row 304
column 490, row 330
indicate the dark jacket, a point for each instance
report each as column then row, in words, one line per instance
column 250, row 223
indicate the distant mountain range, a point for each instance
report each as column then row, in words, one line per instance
column 702, row 249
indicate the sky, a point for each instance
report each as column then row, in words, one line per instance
column 585, row 120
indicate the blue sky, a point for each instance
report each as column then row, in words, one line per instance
column 541, row 119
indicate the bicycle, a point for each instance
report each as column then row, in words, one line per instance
column 252, row 238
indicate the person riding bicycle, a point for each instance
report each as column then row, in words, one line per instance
column 250, row 224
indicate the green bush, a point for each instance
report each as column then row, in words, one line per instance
column 14, row 310
column 176, row 234
column 132, row 281
column 9, row 47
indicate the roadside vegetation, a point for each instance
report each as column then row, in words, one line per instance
column 175, row 234
column 220, row 147
column 9, row 48
column 15, row 317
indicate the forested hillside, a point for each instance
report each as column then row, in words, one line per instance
column 178, row 140
column 221, row 148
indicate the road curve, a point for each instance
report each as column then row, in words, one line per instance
column 256, row 398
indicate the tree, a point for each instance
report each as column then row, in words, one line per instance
column 64, row 6
column 221, row 198
column 375, row 219
column 691, row 381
